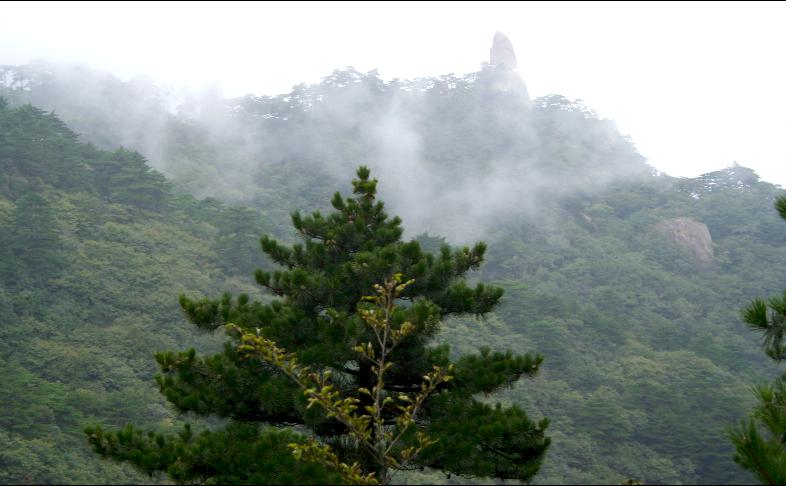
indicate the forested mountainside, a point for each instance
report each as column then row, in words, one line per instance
column 629, row 282
column 463, row 144
column 94, row 249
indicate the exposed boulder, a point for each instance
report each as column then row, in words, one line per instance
column 502, row 53
column 503, row 62
column 690, row 235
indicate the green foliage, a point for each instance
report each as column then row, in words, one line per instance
column 32, row 249
column 780, row 205
column 385, row 426
column 85, row 270
column 640, row 339
column 127, row 179
column 320, row 318
column 237, row 454
column 761, row 455
column 760, row 442
column 768, row 318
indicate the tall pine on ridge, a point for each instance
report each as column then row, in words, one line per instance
column 324, row 278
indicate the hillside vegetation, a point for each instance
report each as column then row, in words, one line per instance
column 647, row 363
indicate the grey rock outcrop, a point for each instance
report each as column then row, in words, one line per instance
column 690, row 235
column 502, row 53
column 503, row 62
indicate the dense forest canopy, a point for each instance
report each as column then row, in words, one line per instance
column 647, row 362
column 93, row 242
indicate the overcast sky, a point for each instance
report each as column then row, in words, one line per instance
column 696, row 85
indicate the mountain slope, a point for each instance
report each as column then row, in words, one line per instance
column 647, row 361
column 95, row 248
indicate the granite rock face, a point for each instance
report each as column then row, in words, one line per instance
column 502, row 53
column 503, row 62
column 690, row 235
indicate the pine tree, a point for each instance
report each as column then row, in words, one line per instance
column 131, row 180
column 316, row 315
column 761, row 442
column 384, row 424
column 31, row 248
column 39, row 147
